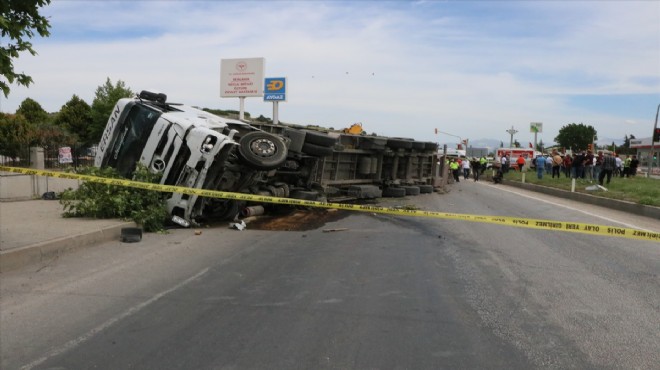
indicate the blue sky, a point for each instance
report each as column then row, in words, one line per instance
column 469, row 68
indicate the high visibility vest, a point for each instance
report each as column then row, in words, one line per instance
column 453, row 165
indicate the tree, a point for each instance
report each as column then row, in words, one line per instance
column 16, row 135
column 33, row 112
column 19, row 21
column 76, row 118
column 576, row 136
column 105, row 99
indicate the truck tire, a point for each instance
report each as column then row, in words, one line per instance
column 425, row 189
column 304, row 195
column 319, row 138
column 411, row 190
column 392, row 192
column 418, row 145
column 297, row 139
column 430, row 146
column 399, row 143
column 317, row 150
column 262, row 150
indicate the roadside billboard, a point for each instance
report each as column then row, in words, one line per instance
column 241, row 77
column 275, row 89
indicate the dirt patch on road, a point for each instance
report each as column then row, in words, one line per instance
column 296, row 219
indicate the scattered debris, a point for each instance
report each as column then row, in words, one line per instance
column 333, row 230
column 595, row 188
column 238, row 225
column 130, row 235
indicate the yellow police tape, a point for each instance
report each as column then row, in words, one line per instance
column 582, row 228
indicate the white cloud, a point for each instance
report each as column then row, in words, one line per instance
column 411, row 67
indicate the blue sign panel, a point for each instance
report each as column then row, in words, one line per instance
column 275, row 89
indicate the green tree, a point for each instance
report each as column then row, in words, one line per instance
column 105, row 99
column 19, row 21
column 576, row 136
column 16, row 135
column 76, row 118
column 33, row 112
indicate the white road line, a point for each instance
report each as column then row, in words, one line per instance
column 81, row 339
column 574, row 209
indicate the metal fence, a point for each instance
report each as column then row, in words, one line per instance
column 54, row 157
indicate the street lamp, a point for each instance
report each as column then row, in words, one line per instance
column 446, row 133
column 512, row 131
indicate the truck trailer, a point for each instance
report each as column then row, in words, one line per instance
column 194, row 148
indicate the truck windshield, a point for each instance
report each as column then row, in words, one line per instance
column 134, row 132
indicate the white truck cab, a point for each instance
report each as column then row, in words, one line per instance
column 187, row 146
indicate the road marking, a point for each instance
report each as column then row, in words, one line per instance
column 574, row 209
column 83, row 338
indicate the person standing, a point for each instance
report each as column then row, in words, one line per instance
column 483, row 163
column 556, row 164
column 505, row 163
column 618, row 171
column 476, row 166
column 540, row 166
column 634, row 163
column 521, row 163
column 626, row 167
column 453, row 166
column 568, row 161
column 466, row 169
column 578, row 165
column 598, row 165
column 588, row 166
column 607, row 167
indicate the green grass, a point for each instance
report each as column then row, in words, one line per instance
column 636, row 189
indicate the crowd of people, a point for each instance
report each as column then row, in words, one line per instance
column 580, row 165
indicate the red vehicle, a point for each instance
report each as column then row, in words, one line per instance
column 527, row 153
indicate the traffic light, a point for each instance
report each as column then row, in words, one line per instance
column 590, row 147
column 656, row 134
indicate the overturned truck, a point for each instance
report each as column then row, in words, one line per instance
column 194, row 148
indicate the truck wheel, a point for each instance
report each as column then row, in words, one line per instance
column 318, row 138
column 297, row 139
column 317, row 150
column 262, row 150
column 392, row 192
column 430, row 146
column 411, row 190
column 225, row 209
column 418, row 145
column 426, row 189
column 304, row 195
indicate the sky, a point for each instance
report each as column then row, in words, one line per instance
column 470, row 69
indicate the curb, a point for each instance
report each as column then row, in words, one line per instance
column 621, row 205
column 32, row 254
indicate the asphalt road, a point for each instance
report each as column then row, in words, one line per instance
column 384, row 292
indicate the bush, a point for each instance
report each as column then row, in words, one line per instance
column 146, row 208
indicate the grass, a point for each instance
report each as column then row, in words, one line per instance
column 636, row 189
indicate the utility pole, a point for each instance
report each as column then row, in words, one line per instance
column 512, row 131
column 651, row 161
